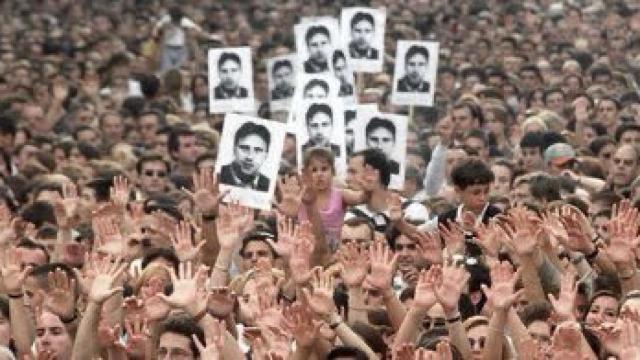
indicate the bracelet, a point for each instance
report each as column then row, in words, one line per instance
column 593, row 255
column 632, row 273
column 454, row 319
column 16, row 296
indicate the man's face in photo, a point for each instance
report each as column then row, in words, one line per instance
column 315, row 92
column 282, row 77
column 416, row 68
column 381, row 138
column 229, row 72
column 340, row 69
column 349, row 137
column 319, row 128
column 362, row 34
column 318, row 47
column 250, row 152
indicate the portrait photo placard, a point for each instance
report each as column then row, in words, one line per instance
column 321, row 123
column 387, row 132
column 313, row 87
column 351, row 123
column 344, row 74
column 282, row 72
column 363, row 30
column 316, row 40
column 230, row 80
column 415, row 73
column 249, row 159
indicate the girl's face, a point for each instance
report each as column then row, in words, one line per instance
column 604, row 309
column 320, row 173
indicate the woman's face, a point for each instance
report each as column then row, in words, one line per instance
column 477, row 336
column 604, row 309
column 502, row 183
column 152, row 285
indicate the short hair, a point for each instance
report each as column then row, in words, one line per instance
column 150, row 157
column 185, row 325
column 251, row 128
column 625, row 128
column 545, row 187
column 259, row 235
column 547, row 92
column 472, row 171
column 476, row 133
column 173, row 142
column 161, row 253
column 316, row 109
column 337, row 55
column 208, row 155
column 379, row 161
column 378, row 122
column 597, row 144
column 27, row 243
column 225, row 56
column 316, row 82
column 362, row 16
column 533, row 68
column 314, row 30
column 280, row 64
column 535, row 311
column 474, row 109
column 39, row 213
column 343, row 351
column 358, row 221
column 40, row 274
column 532, row 140
column 415, row 50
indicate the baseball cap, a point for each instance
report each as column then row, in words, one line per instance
column 559, row 154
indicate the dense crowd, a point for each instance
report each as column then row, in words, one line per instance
column 515, row 235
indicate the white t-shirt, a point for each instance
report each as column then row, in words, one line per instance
column 175, row 35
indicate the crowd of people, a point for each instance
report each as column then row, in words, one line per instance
column 515, row 234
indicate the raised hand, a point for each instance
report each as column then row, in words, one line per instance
column 430, row 246
column 156, row 309
column 206, row 195
column 13, row 275
column 552, row 225
column 60, row 294
column 214, row 336
column 188, row 289
column 299, row 321
column 503, row 281
column 221, row 302
column 564, row 304
column 383, row 266
column 300, row 260
column 566, row 341
column 320, row 301
column 425, row 295
column 108, row 269
column 630, row 340
column 454, row 280
column 291, row 191
column 66, row 209
column 578, row 228
column 355, row 265
column 623, row 235
column 520, row 233
column 119, row 192
column 108, row 236
column 488, row 238
column 404, row 351
column 138, row 336
column 230, row 222
column 453, row 236
column 183, row 242
column 287, row 236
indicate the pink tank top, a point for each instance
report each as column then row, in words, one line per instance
column 332, row 217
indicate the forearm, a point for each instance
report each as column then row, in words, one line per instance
column 493, row 345
column 301, row 353
column 629, row 279
column 230, row 350
column 321, row 252
column 435, row 175
column 350, row 338
column 220, row 272
column 357, row 308
column 23, row 330
column 531, row 280
column 64, row 237
column 354, row 197
column 591, row 184
column 517, row 329
column 85, row 345
column 457, row 334
column 395, row 309
column 410, row 327
column 210, row 250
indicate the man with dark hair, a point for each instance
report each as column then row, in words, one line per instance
column 362, row 32
column 628, row 134
column 183, row 149
column 416, row 60
column 341, row 70
column 250, row 149
column 318, row 40
column 319, row 120
column 175, row 338
column 380, row 134
column 282, row 73
column 153, row 173
column 315, row 89
column 531, row 146
column 230, row 71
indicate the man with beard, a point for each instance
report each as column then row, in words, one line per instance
column 415, row 64
column 318, row 42
column 281, row 73
column 362, row 31
column 229, row 71
column 250, row 149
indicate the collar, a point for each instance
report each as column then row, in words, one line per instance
column 478, row 218
column 237, row 179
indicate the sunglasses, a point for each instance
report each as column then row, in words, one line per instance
column 156, row 173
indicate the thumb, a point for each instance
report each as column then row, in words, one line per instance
column 485, row 289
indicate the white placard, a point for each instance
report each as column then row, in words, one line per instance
column 414, row 76
column 230, row 80
column 363, row 30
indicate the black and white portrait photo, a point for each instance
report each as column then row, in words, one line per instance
column 351, row 122
column 344, row 74
column 363, row 29
column 282, row 71
column 250, row 151
column 415, row 73
column 316, row 39
column 321, row 124
column 230, row 80
column 388, row 133
column 311, row 88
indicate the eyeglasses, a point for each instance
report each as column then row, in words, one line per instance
column 156, row 173
column 431, row 323
column 480, row 342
